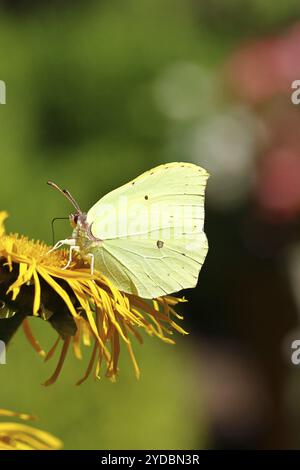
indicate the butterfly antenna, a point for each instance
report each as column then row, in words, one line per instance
column 67, row 194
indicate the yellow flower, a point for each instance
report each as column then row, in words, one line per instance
column 83, row 308
column 18, row 436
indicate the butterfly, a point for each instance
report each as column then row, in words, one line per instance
column 147, row 237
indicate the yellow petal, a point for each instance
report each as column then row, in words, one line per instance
column 27, row 437
column 59, row 290
column 37, row 293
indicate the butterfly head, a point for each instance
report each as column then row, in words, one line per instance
column 78, row 220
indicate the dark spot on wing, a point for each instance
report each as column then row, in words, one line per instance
column 146, row 197
column 160, row 244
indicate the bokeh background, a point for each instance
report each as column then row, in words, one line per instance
column 99, row 91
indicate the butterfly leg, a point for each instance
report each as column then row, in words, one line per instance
column 56, row 246
column 73, row 248
column 92, row 262
column 68, row 241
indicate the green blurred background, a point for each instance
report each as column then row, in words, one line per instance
column 98, row 92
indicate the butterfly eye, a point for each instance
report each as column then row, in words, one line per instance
column 75, row 218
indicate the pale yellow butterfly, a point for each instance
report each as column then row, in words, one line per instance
column 147, row 237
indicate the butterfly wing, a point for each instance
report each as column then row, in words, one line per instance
column 151, row 231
